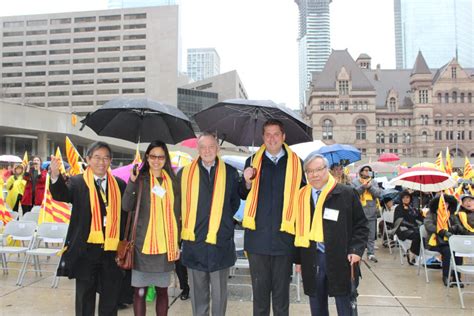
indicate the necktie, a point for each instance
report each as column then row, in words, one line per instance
column 319, row 245
column 275, row 159
column 101, row 189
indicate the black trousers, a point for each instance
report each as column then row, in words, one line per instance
column 271, row 276
column 103, row 277
column 182, row 273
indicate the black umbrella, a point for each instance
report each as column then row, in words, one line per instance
column 140, row 120
column 355, row 274
column 240, row 121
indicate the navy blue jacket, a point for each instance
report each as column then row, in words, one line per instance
column 267, row 239
column 198, row 254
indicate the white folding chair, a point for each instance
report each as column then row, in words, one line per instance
column 403, row 246
column 387, row 217
column 461, row 246
column 30, row 216
column 18, row 231
column 14, row 215
column 425, row 253
column 35, row 209
column 47, row 233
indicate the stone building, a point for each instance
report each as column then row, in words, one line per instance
column 412, row 112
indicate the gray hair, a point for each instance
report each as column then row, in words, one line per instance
column 208, row 134
column 312, row 156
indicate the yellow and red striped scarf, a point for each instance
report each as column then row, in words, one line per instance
column 114, row 206
column 189, row 199
column 304, row 231
column 366, row 195
column 464, row 222
column 162, row 232
column 292, row 183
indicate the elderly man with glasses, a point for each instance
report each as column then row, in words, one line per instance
column 331, row 235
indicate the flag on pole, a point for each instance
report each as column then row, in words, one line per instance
column 53, row 211
column 458, row 192
column 449, row 164
column 468, row 172
column 5, row 215
column 138, row 159
column 442, row 219
column 439, row 162
column 25, row 159
column 73, row 158
column 58, row 155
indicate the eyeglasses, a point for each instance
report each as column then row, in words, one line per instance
column 160, row 157
column 314, row 171
column 98, row 159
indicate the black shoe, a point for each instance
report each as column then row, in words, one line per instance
column 122, row 306
column 184, row 295
column 453, row 283
column 445, row 281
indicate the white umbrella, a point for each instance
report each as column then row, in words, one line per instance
column 10, row 158
column 304, row 149
column 424, row 180
column 238, row 162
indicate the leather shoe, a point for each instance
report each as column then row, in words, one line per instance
column 184, row 295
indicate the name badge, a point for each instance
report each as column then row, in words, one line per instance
column 159, row 191
column 331, row 214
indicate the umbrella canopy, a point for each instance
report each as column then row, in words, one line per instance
column 240, row 121
column 426, row 164
column 10, row 158
column 391, row 194
column 304, row 149
column 340, row 154
column 238, row 162
column 381, row 167
column 424, row 180
column 388, row 157
column 180, row 159
column 140, row 120
column 45, row 165
column 190, row 143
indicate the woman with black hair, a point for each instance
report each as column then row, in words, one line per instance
column 409, row 228
column 438, row 240
column 156, row 243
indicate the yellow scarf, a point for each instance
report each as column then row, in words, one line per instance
column 292, row 184
column 113, row 209
column 162, row 232
column 464, row 222
column 366, row 196
column 189, row 200
column 305, row 232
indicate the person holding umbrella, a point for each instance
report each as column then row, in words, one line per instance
column 331, row 236
column 209, row 200
column 94, row 230
column 270, row 183
column 156, row 244
column 35, row 178
column 369, row 192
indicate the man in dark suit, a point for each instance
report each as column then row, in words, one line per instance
column 91, row 241
column 334, row 240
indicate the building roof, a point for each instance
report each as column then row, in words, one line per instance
column 363, row 56
column 326, row 79
column 420, row 66
column 383, row 80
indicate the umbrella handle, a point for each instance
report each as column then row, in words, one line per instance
column 352, row 271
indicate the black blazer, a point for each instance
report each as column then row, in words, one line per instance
column 347, row 235
column 76, row 192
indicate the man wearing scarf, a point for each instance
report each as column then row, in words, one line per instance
column 270, row 183
column 466, row 215
column 331, row 235
column 369, row 192
column 94, row 230
column 209, row 200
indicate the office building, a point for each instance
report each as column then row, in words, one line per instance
column 440, row 29
column 314, row 41
column 77, row 61
column 203, row 63
column 122, row 4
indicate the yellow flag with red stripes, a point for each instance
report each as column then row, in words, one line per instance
column 73, row 158
column 439, row 162
column 5, row 215
column 449, row 164
column 468, row 172
column 25, row 159
column 53, row 211
column 58, row 155
column 138, row 159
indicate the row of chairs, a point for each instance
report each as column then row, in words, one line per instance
column 35, row 242
column 460, row 246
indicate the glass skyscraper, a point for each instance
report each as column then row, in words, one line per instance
column 119, row 4
column 441, row 30
column 314, row 41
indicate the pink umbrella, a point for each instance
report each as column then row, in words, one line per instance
column 190, row 143
column 424, row 179
column 388, row 157
column 124, row 171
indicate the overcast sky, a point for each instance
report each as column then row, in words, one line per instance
column 258, row 37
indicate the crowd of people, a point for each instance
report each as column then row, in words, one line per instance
column 308, row 213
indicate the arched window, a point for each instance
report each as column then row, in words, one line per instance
column 461, row 97
column 327, row 129
column 380, row 138
column 440, row 97
column 469, row 97
column 446, row 97
column 455, row 97
column 424, row 136
column 361, row 129
column 392, row 105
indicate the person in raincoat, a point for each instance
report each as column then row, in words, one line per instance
column 15, row 187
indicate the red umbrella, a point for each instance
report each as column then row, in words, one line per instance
column 388, row 157
column 424, row 179
column 190, row 143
